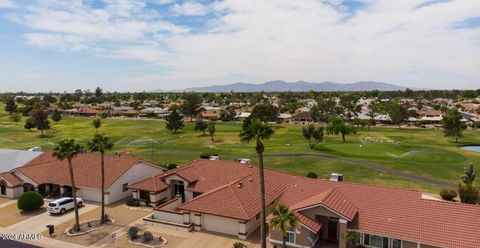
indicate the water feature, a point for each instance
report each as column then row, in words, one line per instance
column 472, row 148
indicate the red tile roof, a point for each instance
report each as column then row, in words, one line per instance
column 331, row 199
column 11, row 178
column 239, row 199
column 86, row 166
column 308, row 222
column 202, row 175
column 398, row 213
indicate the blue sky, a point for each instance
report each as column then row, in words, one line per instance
column 54, row 45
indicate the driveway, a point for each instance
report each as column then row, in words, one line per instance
column 37, row 224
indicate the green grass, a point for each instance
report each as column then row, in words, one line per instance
column 421, row 151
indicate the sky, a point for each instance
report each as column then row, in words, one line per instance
column 143, row 45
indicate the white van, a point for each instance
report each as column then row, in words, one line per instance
column 62, row 205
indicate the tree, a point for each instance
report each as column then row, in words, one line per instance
column 283, row 220
column 56, row 115
column 398, row 114
column 228, row 114
column 192, row 104
column 258, row 131
column 350, row 106
column 174, row 121
column 452, row 124
column 10, row 105
column 324, row 109
column 201, row 125
column 98, row 92
column 68, row 149
column 312, row 134
column 211, row 129
column 39, row 117
column 29, row 124
column 265, row 112
column 97, row 123
column 101, row 144
column 15, row 117
column 353, row 237
column 338, row 126
column 468, row 193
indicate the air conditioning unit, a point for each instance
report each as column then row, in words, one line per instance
column 336, row 177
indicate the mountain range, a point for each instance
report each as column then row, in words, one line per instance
column 299, row 86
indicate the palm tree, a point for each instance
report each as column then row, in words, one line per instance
column 283, row 220
column 101, row 143
column 256, row 130
column 68, row 149
column 97, row 123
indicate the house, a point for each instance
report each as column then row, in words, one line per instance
column 430, row 116
column 223, row 197
column 50, row 177
column 301, row 117
column 211, row 113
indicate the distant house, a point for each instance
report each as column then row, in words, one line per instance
column 223, row 197
column 211, row 114
column 50, row 177
column 242, row 116
column 302, row 117
column 430, row 116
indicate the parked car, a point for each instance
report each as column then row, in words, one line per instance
column 62, row 205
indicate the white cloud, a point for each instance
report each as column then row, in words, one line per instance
column 190, row 9
column 7, row 4
column 311, row 40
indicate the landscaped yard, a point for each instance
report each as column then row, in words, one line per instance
column 424, row 152
column 10, row 215
column 122, row 216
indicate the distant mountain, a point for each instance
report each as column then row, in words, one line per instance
column 278, row 86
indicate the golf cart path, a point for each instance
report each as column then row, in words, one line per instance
column 370, row 165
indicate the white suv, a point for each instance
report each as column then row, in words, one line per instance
column 62, row 205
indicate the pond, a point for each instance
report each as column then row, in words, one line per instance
column 472, row 148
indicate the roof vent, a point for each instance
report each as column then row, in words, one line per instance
column 244, row 161
column 239, row 185
column 214, row 157
column 250, row 180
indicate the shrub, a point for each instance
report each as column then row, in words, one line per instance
column 147, row 236
column 312, row 174
column 133, row 202
column 205, row 156
column 448, row 194
column 468, row 194
column 132, row 232
column 30, row 201
column 238, row 245
column 171, row 166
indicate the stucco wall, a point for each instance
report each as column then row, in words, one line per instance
column 168, row 216
column 301, row 237
column 159, row 196
column 136, row 173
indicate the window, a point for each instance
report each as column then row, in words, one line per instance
column 124, row 187
column 396, row 243
column 375, row 241
column 291, row 235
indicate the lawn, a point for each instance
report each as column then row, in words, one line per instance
column 423, row 152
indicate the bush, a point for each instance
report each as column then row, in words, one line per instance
column 207, row 155
column 312, row 174
column 448, row 194
column 171, row 166
column 132, row 232
column 147, row 236
column 468, row 194
column 133, row 202
column 29, row 201
column 238, row 245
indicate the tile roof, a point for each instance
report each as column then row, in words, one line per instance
column 86, row 166
column 332, row 199
column 239, row 199
column 11, row 178
column 398, row 213
column 202, row 175
column 308, row 222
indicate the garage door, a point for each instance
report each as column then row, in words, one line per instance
column 220, row 224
